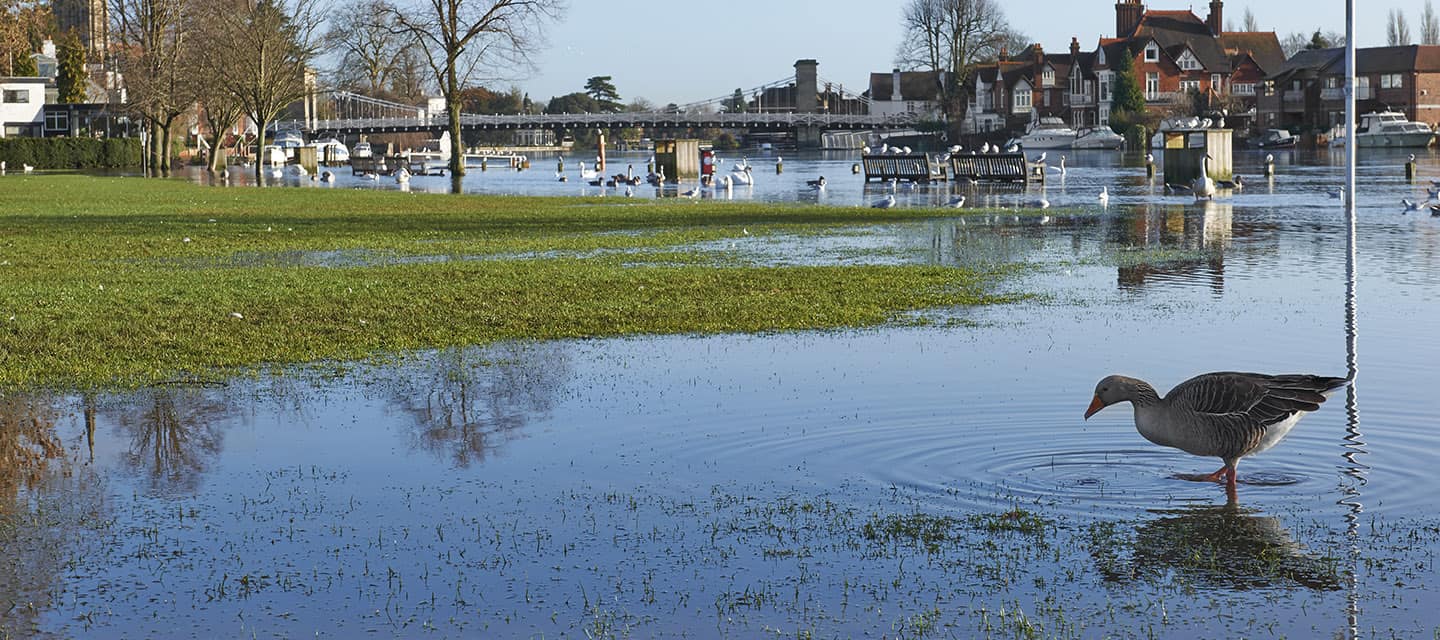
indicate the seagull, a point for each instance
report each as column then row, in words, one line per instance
column 2, row 167
column 1149, row 158
column 225, row 174
column 1040, row 158
column 1410, row 205
column 629, row 192
column 957, row 202
column 692, row 193
column 954, row 149
column 298, row 170
column 888, row 202
column 1336, row 194
column 1269, row 158
column 561, row 177
column 865, row 150
column 1014, row 148
column 985, row 148
column 1104, row 196
column 1412, row 158
column 370, row 176
column 1039, row 203
column 1226, row 414
column 1203, row 186
column 816, row 184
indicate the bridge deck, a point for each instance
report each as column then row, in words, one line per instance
column 573, row 121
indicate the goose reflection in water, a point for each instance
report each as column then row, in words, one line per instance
column 1217, row 546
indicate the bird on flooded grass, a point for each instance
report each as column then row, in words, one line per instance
column 1410, row 205
column 1060, row 169
column 1104, row 196
column 1228, row 415
column 327, row 177
column 1236, row 184
column 1336, row 194
column 957, row 202
column 888, row 202
column 27, row 168
column 1204, row 186
column 1038, row 203
column 816, row 184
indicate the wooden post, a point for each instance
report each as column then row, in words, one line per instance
column 779, row 165
column 1410, row 171
column 600, row 159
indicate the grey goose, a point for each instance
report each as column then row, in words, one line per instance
column 1226, row 414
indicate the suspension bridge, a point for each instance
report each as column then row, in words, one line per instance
column 803, row 103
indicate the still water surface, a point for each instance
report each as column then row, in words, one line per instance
column 733, row 486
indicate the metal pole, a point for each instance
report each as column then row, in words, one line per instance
column 1354, row 445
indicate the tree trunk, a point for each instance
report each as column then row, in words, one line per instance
column 215, row 138
column 260, row 151
column 452, row 109
column 165, row 149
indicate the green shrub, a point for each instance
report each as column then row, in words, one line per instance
column 70, row 153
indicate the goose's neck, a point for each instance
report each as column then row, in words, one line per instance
column 1145, row 395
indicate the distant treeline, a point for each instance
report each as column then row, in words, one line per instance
column 70, row 153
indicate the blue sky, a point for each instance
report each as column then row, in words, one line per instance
column 682, row 51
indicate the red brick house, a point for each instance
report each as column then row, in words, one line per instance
column 1307, row 93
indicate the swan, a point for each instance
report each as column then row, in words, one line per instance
column 742, row 177
column 1060, row 169
column 589, row 175
column 1104, row 196
column 888, row 202
column 402, row 176
column 1203, row 186
column 27, row 168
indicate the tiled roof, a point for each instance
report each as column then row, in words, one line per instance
column 1263, row 47
column 914, row 85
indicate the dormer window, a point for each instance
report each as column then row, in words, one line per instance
column 1188, row 62
column 1152, row 53
column 1047, row 77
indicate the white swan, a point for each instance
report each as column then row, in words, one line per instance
column 1104, row 196
column 743, row 177
column 589, row 175
column 1060, row 169
column 1203, row 186
column 27, row 168
column 402, row 176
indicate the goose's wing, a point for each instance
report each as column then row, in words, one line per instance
column 1262, row 399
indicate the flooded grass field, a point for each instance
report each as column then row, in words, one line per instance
column 924, row 479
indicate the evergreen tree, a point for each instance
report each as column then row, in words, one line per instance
column 25, row 67
column 601, row 89
column 1126, row 96
column 70, row 76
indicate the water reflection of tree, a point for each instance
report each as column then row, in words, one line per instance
column 174, row 434
column 48, row 505
column 1220, row 546
column 467, row 402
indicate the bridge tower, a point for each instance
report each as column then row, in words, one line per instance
column 807, row 100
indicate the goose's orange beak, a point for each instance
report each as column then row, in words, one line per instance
column 1095, row 406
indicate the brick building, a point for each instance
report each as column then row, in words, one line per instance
column 1307, row 92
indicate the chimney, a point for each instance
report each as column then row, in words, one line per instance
column 895, row 87
column 1074, row 50
column 48, row 48
column 1216, row 19
column 1127, row 17
column 1039, row 53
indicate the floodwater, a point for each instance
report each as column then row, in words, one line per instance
column 928, row 479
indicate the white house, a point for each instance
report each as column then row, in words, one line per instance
column 22, row 105
column 906, row 92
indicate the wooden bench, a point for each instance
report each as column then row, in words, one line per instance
column 912, row 167
column 1001, row 167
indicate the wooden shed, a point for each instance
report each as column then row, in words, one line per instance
column 678, row 159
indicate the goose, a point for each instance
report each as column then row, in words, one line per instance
column 957, row 202
column 402, row 176
column 1104, row 196
column 816, row 184
column 327, row 177
column 1227, row 414
column 1204, row 187
column 888, row 202
column 1237, row 184
column 1410, row 205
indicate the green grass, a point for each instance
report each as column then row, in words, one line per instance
column 122, row 282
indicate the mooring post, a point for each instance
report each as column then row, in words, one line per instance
column 560, row 164
column 600, row 159
column 1269, row 167
column 484, row 163
column 779, row 165
column 1410, row 169
column 1149, row 166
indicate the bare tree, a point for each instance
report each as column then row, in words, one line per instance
column 1397, row 29
column 460, row 37
column 268, row 46
column 153, row 37
column 1429, row 25
column 951, row 36
column 368, row 47
column 1249, row 23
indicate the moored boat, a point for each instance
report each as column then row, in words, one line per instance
column 1389, row 129
column 1102, row 137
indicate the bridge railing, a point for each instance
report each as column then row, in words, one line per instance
column 604, row 120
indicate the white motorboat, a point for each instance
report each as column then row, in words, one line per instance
column 331, row 151
column 1102, row 137
column 272, row 155
column 1389, row 129
column 1047, row 133
column 361, row 150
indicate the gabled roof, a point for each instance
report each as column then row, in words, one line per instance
column 1177, row 30
column 1425, row 59
column 1263, row 47
column 914, row 85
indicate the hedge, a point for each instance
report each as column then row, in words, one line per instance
column 70, row 153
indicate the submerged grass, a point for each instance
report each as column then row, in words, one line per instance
column 121, row 282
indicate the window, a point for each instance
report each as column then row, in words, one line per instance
column 1243, row 88
column 1047, row 79
column 1190, row 85
column 1188, row 62
column 1392, row 81
column 16, row 96
column 1152, row 53
column 1217, row 83
column 1045, row 97
column 57, row 121
column 1105, row 86
column 1152, row 86
column 1076, row 84
column 1022, row 100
